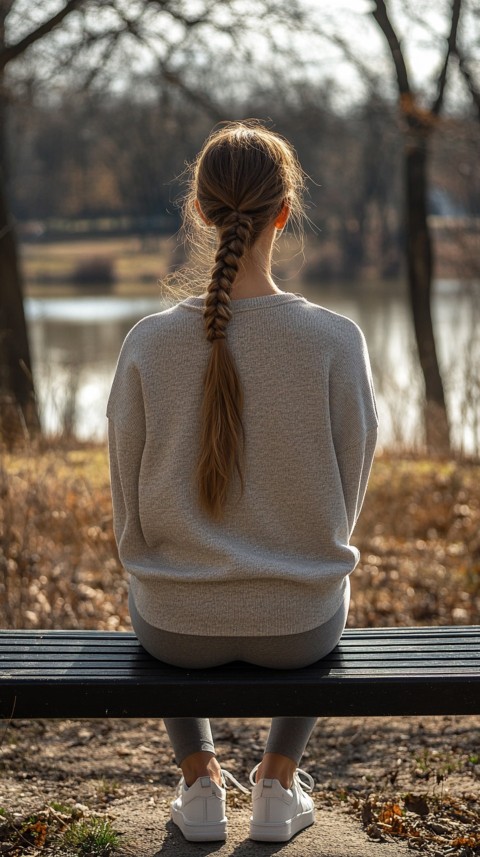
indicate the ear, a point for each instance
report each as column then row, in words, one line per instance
column 201, row 214
column 282, row 217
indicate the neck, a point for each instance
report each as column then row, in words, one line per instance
column 253, row 284
column 254, row 277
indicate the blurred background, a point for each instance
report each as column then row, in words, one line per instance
column 104, row 101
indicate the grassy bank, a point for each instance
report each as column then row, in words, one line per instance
column 137, row 261
column 51, row 268
column 419, row 536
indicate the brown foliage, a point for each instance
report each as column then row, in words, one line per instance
column 441, row 822
column 419, row 537
column 58, row 561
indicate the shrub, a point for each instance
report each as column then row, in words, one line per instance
column 94, row 270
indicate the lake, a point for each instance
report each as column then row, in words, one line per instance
column 76, row 339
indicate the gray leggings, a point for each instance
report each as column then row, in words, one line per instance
column 288, row 735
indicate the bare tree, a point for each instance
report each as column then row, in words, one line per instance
column 419, row 121
column 17, row 392
column 99, row 39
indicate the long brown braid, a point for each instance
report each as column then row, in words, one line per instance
column 222, row 438
column 235, row 237
column 242, row 178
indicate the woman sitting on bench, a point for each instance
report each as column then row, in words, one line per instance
column 242, row 427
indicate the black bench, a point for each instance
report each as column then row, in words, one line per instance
column 384, row 671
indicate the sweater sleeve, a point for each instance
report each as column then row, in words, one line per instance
column 354, row 422
column 354, row 465
column 126, row 441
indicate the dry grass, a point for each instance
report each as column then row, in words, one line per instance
column 419, row 535
column 59, row 563
column 72, row 831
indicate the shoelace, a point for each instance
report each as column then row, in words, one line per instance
column 227, row 778
column 226, row 775
column 306, row 784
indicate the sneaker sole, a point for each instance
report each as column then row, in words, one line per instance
column 272, row 832
column 213, row 832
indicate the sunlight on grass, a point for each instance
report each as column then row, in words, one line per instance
column 92, row 838
column 418, row 534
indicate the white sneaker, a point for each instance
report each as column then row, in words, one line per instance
column 199, row 809
column 279, row 813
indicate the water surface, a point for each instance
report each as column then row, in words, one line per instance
column 76, row 341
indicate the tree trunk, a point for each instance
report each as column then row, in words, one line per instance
column 419, row 266
column 419, row 125
column 18, row 407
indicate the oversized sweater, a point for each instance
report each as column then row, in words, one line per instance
column 278, row 560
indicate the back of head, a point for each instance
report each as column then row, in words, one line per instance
column 245, row 169
column 243, row 178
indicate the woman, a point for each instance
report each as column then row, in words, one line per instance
column 242, row 427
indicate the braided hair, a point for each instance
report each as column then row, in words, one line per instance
column 222, row 435
column 242, row 178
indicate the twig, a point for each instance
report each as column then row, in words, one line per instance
column 9, row 720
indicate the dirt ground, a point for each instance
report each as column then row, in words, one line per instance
column 384, row 786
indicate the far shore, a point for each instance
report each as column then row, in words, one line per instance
column 136, row 265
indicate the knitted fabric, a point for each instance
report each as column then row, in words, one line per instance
column 277, row 561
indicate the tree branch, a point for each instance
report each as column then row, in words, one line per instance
column 473, row 87
column 353, row 57
column 196, row 97
column 188, row 23
column 381, row 16
column 451, row 45
column 11, row 52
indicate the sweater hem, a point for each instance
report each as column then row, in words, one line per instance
column 292, row 613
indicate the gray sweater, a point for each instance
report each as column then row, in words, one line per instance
column 277, row 563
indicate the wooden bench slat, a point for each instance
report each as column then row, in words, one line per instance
column 12, row 657
column 131, row 644
column 44, row 668
column 138, row 660
column 84, row 677
column 12, row 668
column 138, row 653
column 349, row 633
column 125, row 639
